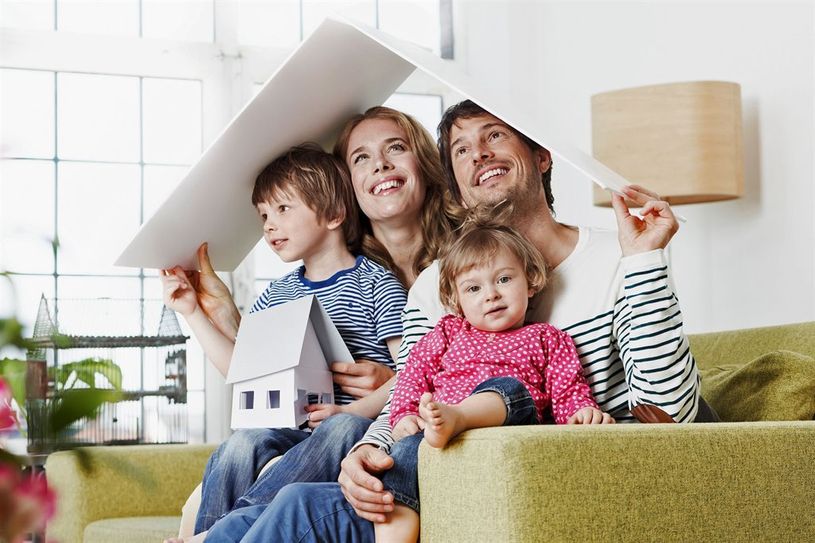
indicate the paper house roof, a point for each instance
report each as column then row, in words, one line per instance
column 274, row 339
column 342, row 69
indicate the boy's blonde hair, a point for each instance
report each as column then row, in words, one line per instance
column 320, row 180
column 479, row 242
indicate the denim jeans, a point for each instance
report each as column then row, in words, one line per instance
column 302, row 512
column 229, row 479
column 403, row 479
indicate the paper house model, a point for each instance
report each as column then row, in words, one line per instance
column 342, row 69
column 280, row 364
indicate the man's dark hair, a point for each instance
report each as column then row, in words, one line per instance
column 467, row 110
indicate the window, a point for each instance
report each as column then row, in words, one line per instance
column 247, row 399
column 104, row 107
column 273, row 399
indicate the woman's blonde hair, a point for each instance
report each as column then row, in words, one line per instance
column 479, row 242
column 438, row 211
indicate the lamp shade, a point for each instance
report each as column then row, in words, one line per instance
column 680, row 140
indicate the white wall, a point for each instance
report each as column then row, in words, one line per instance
column 748, row 262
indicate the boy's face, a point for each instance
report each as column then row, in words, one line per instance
column 494, row 296
column 291, row 228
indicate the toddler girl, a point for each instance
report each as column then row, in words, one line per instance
column 482, row 366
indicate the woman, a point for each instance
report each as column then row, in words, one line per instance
column 397, row 179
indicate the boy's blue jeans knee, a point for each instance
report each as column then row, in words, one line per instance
column 229, row 478
column 403, row 481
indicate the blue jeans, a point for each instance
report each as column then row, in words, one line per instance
column 229, row 479
column 302, row 512
column 402, row 480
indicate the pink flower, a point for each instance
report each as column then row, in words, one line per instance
column 8, row 418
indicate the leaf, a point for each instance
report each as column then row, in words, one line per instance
column 13, row 371
column 86, row 371
column 11, row 333
column 72, row 405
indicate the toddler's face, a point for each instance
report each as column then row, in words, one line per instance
column 494, row 296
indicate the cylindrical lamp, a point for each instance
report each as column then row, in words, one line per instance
column 680, row 140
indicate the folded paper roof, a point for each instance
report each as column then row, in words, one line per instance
column 342, row 69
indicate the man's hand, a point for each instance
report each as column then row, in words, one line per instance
column 590, row 415
column 407, row 426
column 653, row 231
column 214, row 296
column 318, row 412
column 362, row 378
column 363, row 491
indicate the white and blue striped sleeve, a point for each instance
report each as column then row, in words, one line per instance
column 659, row 367
column 390, row 298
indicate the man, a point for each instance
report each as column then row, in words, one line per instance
column 612, row 295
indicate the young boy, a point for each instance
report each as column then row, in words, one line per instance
column 307, row 206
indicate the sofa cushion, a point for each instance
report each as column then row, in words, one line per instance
column 779, row 385
column 132, row 529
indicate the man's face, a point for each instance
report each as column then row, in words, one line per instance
column 492, row 163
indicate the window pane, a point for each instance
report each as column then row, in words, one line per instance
column 172, row 120
column 28, row 289
column 27, row 216
column 271, row 23
column 99, row 306
column 98, row 215
column 314, row 11
column 416, row 21
column 195, row 411
column 425, row 108
column 37, row 14
column 187, row 20
column 27, row 113
column 98, row 117
column 268, row 265
column 112, row 17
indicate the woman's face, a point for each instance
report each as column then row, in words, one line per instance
column 385, row 171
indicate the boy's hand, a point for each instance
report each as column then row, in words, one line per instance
column 318, row 412
column 214, row 296
column 590, row 415
column 407, row 426
column 362, row 378
column 177, row 292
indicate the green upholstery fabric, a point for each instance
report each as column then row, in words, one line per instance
column 742, row 346
column 131, row 530
column 128, row 481
column 776, row 386
column 699, row 482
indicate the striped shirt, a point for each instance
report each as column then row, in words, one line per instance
column 364, row 303
column 622, row 314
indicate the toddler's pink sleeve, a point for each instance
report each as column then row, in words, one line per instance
column 565, row 382
column 422, row 365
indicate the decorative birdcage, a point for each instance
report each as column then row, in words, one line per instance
column 66, row 353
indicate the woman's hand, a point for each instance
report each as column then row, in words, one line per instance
column 590, row 415
column 318, row 412
column 361, row 378
column 407, row 426
column 653, row 230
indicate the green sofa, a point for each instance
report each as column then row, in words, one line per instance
column 743, row 481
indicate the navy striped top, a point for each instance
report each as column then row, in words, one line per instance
column 364, row 302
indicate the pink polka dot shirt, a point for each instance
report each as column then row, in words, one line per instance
column 455, row 357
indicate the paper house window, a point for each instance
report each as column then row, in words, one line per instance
column 247, row 399
column 273, row 399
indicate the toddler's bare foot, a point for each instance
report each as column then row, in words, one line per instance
column 197, row 538
column 442, row 422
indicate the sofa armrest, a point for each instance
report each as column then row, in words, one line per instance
column 671, row 482
column 125, row 481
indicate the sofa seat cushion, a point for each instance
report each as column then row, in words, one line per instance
column 779, row 385
column 132, row 529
